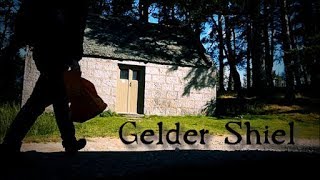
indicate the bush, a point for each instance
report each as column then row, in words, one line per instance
column 238, row 106
column 108, row 113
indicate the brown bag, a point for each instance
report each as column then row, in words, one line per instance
column 85, row 103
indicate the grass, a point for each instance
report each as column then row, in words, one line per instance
column 7, row 113
column 108, row 124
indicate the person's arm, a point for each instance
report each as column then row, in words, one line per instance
column 75, row 66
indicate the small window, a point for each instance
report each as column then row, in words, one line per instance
column 124, row 74
column 135, row 75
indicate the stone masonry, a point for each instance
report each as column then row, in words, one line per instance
column 164, row 85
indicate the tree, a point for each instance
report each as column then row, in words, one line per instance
column 258, row 77
column 11, row 65
column 231, row 57
column 144, row 10
column 221, row 55
column 267, row 48
column 120, row 7
column 290, row 95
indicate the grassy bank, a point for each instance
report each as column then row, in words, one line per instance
column 45, row 128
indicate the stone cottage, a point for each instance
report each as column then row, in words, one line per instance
column 140, row 68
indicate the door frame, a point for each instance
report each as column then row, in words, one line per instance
column 141, row 87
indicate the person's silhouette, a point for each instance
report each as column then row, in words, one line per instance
column 54, row 30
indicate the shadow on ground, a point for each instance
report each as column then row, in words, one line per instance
column 164, row 164
column 237, row 106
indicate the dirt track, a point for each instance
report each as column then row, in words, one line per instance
column 212, row 143
column 107, row 158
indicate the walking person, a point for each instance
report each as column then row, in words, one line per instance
column 55, row 34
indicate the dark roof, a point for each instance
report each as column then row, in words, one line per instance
column 126, row 39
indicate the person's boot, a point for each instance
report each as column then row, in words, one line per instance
column 10, row 152
column 74, row 146
column 10, row 148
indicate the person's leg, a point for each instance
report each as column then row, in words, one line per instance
column 27, row 115
column 61, row 110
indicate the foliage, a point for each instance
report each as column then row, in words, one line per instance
column 249, row 35
column 108, row 113
column 7, row 114
column 11, row 64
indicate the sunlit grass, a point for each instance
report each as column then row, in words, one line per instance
column 45, row 128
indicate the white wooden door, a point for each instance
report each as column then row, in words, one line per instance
column 127, row 90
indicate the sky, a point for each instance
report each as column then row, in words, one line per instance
column 278, row 67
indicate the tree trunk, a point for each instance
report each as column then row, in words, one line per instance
column 164, row 13
column 258, row 79
column 221, row 56
column 231, row 58
column 290, row 96
column 6, row 23
column 311, row 25
column 268, row 59
column 272, row 39
column 230, row 83
column 172, row 13
column 143, row 10
column 249, row 41
column 305, row 75
column 120, row 7
column 295, row 58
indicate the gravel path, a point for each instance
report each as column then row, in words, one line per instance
column 213, row 143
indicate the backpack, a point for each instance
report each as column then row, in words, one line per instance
column 85, row 103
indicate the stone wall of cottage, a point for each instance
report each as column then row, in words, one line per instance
column 165, row 86
column 165, row 91
column 101, row 72
column 31, row 74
